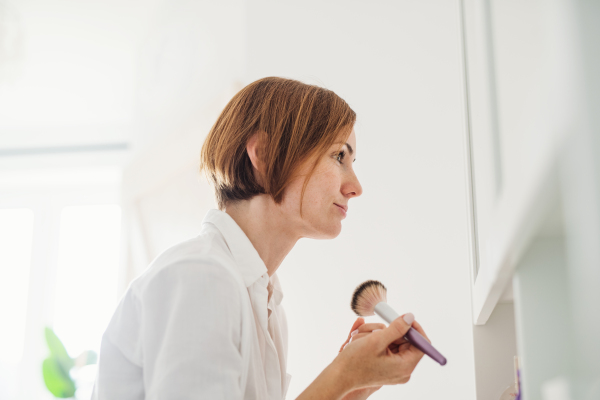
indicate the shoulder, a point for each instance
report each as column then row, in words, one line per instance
column 191, row 279
column 202, row 264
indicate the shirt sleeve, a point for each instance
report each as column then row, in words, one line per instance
column 191, row 333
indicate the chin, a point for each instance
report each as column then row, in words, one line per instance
column 330, row 232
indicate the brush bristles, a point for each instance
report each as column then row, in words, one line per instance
column 366, row 296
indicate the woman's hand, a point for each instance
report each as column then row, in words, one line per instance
column 380, row 357
column 360, row 329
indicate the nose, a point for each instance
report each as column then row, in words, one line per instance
column 352, row 187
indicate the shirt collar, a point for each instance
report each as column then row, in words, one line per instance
column 248, row 262
column 277, row 291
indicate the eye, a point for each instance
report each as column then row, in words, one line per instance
column 340, row 156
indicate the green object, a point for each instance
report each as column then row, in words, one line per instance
column 57, row 350
column 57, row 365
column 57, row 380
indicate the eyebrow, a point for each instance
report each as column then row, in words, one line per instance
column 350, row 150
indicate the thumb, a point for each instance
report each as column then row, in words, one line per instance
column 397, row 329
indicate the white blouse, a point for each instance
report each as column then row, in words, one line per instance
column 204, row 321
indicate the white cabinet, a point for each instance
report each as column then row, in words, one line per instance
column 513, row 76
column 532, row 141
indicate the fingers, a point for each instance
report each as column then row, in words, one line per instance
column 396, row 330
column 362, row 331
column 385, row 356
column 415, row 325
column 399, row 327
column 411, row 353
column 401, row 344
column 370, row 327
column 405, row 347
column 419, row 329
column 400, row 341
column 358, row 336
column 359, row 321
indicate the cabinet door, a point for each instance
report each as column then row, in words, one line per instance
column 516, row 60
column 484, row 170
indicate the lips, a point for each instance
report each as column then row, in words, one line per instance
column 345, row 208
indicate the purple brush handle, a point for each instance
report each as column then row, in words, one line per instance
column 386, row 312
column 417, row 340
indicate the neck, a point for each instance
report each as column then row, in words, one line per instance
column 266, row 227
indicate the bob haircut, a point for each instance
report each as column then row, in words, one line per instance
column 296, row 123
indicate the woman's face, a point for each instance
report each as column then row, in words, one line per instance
column 328, row 191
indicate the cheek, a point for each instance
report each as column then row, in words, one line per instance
column 323, row 189
column 321, row 192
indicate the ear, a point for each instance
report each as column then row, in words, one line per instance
column 253, row 148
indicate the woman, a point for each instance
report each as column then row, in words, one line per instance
column 204, row 321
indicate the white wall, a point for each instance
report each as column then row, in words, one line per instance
column 188, row 66
column 396, row 63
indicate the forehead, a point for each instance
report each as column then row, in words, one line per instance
column 352, row 139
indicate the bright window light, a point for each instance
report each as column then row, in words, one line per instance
column 16, row 233
column 87, row 280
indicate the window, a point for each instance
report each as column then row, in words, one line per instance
column 16, row 234
column 87, row 279
column 59, row 267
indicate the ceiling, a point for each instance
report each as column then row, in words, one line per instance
column 67, row 72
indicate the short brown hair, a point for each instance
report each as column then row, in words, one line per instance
column 296, row 122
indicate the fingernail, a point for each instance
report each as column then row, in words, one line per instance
column 350, row 341
column 354, row 333
column 409, row 318
column 345, row 346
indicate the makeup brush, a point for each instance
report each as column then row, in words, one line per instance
column 370, row 298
